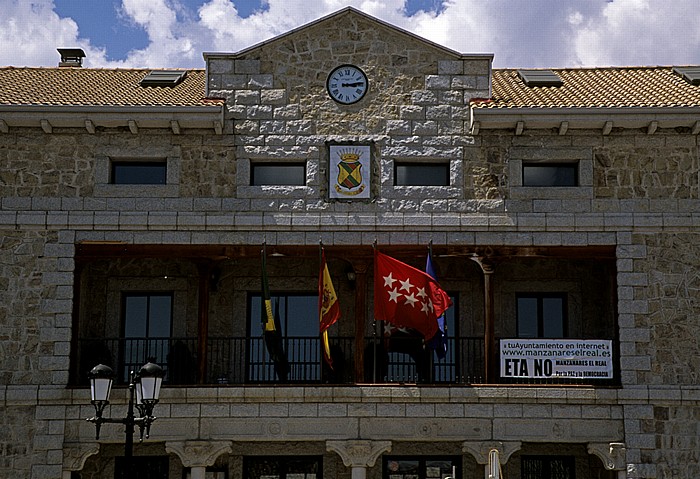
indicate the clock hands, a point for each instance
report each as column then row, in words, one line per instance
column 352, row 85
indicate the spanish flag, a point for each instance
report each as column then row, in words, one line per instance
column 328, row 307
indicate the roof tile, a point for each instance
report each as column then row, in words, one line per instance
column 97, row 87
column 595, row 88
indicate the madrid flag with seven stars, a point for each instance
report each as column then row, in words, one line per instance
column 406, row 296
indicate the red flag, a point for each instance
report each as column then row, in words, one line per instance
column 406, row 296
column 328, row 307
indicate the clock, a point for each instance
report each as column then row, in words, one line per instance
column 347, row 84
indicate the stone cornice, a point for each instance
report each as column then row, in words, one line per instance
column 48, row 117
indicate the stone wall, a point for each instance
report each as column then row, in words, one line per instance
column 670, row 290
column 33, row 339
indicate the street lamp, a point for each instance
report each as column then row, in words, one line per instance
column 144, row 389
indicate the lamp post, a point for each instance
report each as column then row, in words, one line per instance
column 144, row 390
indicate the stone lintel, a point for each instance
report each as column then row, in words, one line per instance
column 358, row 452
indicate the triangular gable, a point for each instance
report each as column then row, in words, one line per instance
column 347, row 12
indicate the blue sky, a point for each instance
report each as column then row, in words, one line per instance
column 520, row 33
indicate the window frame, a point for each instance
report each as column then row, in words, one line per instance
column 540, row 297
column 305, row 361
column 115, row 164
column 572, row 167
column 278, row 164
column 124, row 360
column 104, row 188
column 424, row 165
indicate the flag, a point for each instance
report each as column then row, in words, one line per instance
column 438, row 343
column 328, row 307
column 271, row 327
column 406, row 296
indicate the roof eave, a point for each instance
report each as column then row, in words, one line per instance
column 90, row 117
column 574, row 118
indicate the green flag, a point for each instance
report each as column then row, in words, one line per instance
column 271, row 327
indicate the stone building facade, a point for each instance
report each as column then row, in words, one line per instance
column 613, row 252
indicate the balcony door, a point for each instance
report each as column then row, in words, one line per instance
column 297, row 315
column 147, row 321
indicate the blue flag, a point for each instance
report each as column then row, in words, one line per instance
column 438, row 342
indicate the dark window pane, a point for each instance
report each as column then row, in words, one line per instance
column 135, row 316
column 553, row 317
column 147, row 321
column 159, row 314
column 415, row 174
column 527, row 317
column 541, row 315
column 139, row 173
column 550, row 175
column 272, row 174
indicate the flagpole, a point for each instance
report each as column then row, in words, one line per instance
column 429, row 351
column 374, row 329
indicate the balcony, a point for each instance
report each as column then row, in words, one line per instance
column 244, row 360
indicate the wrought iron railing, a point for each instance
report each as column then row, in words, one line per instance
column 245, row 360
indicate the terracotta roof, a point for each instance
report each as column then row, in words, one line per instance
column 97, row 87
column 595, row 88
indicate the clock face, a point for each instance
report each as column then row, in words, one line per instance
column 347, row 84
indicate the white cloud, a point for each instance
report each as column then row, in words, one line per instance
column 641, row 32
column 535, row 33
column 30, row 33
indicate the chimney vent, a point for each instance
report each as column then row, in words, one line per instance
column 71, row 57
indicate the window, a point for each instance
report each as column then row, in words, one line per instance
column 417, row 467
column 547, row 467
column 147, row 320
column 541, row 315
column 298, row 326
column 282, row 467
column 278, row 174
column 421, row 174
column 550, row 174
column 139, row 172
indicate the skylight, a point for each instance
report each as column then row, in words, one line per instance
column 163, row 78
column 540, row 78
column 689, row 74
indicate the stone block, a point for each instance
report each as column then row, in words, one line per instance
column 412, row 112
column 246, row 97
column 229, row 82
column 464, row 82
column 277, row 97
column 219, row 65
column 437, row 82
column 424, row 97
column 260, row 81
column 450, row 67
column 251, row 67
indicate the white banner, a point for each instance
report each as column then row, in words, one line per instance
column 556, row 358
